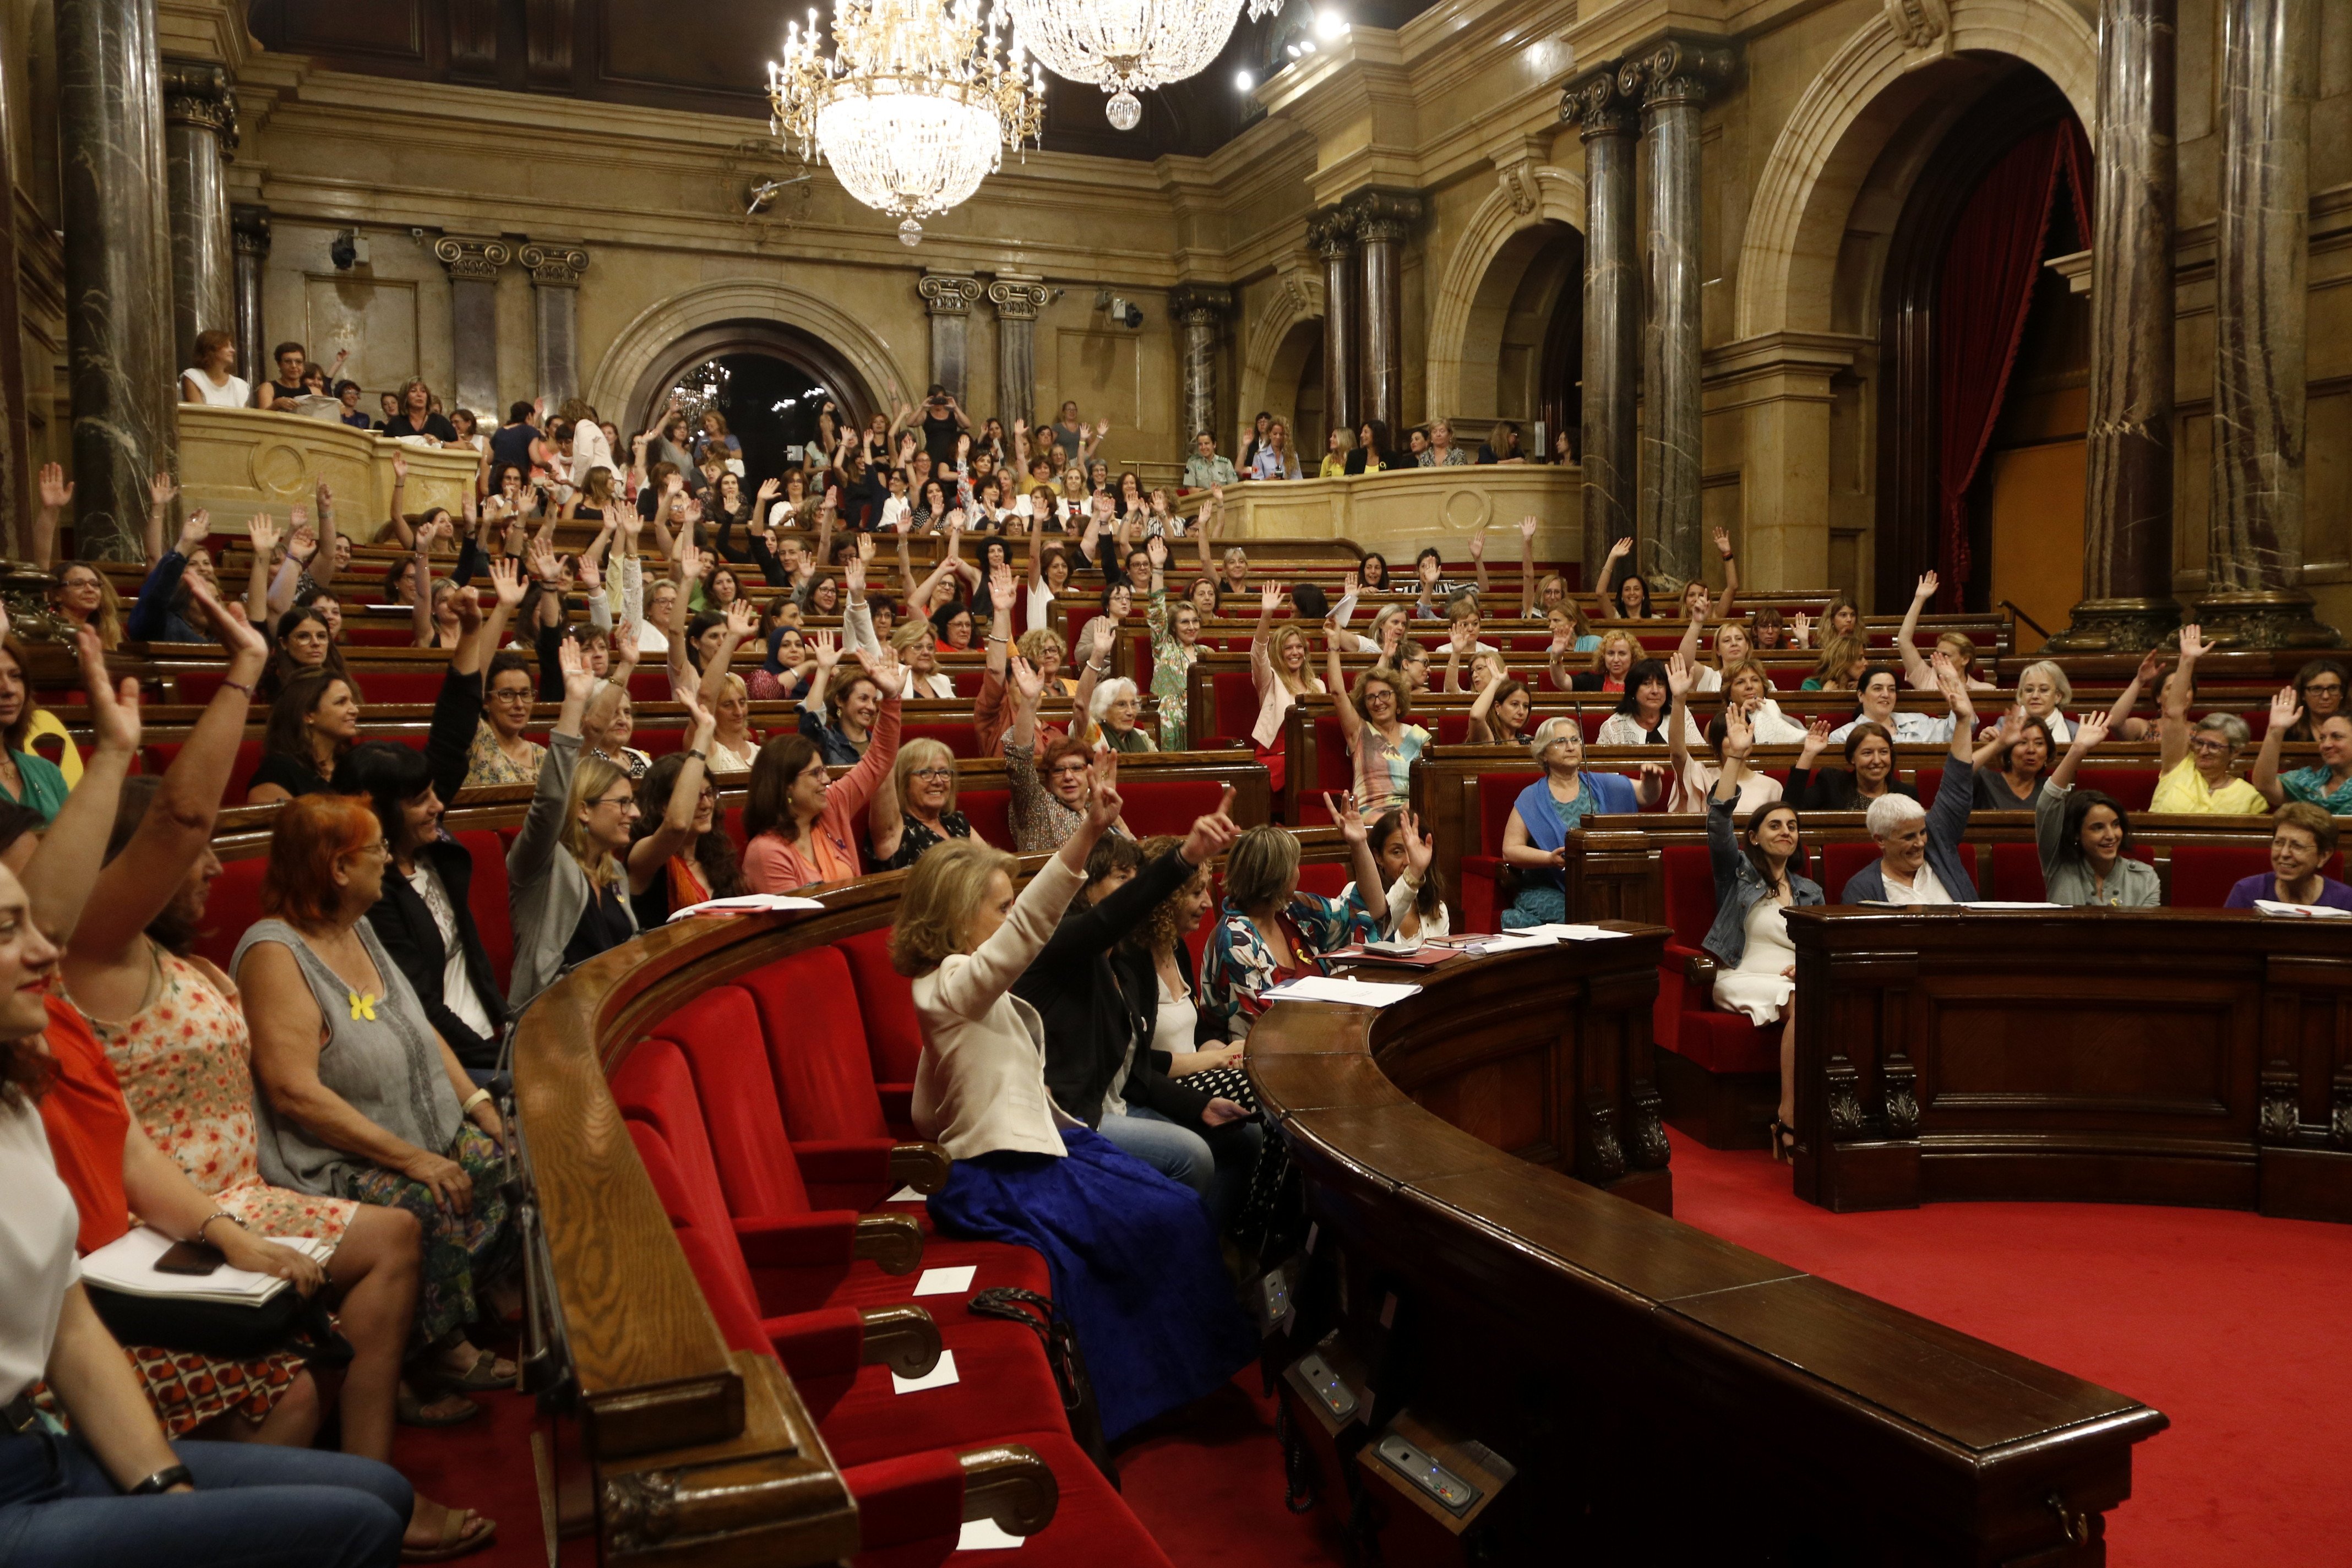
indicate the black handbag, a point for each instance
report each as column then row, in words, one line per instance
column 289, row 1321
column 1062, row 1354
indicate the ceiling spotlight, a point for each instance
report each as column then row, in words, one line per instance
column 1329, row 24
column 1244, row 81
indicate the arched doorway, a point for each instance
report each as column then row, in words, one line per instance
column 1523, row 339
column 776, row 363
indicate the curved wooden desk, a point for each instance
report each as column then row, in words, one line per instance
column 1663, row 1396
column 2197, row 1056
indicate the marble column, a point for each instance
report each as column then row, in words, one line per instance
column 1202, row 313
column 947, row 299
column 1671, row 81
column 2127, row 604
column 199, row 133
column 16, row 484
column 1332, row 239
column 1612, row 312
column 118, row 267
column 249, row 237
column 1018, row 297
column 473, row 264
column 555, row 271
column 1382, row 219
column 2254, row 569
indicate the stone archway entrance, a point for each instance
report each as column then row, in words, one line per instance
column 806, row 363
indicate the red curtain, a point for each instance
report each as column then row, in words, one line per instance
column 1992, row 266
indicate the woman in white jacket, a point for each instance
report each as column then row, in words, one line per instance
column 1134, row 1261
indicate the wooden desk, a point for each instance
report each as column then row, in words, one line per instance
column 2199, row 1057
column 1664, row 1395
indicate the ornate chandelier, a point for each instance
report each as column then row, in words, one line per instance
column 914, row 107
column 1128, row 46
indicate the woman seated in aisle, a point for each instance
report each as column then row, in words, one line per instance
column 1614, row 656
column 679, row 853
column 2019, row 752
column 1269, row 931
column 1381, row 744
column 799, row 823
column 2327, row 784
column 1099, row 1067
column 1694, row 779
column 1499, row 717
column 2319, row 692
column 2085, row 838
column 1646, row 711
column 1279, row 670
column 1535, row 835
column 1756, row 882
column 1961, row 650
column 1869, row 771
column 1919, row 849
column 1117, row 710
column 359, row 1096
column 2194, row 764
column 1416, row 897
column 1880, row 692
column 500, row 752
column 1133, row 1257
column 1843, row 662
column 2302, row 836
column 918, row 812
column 312, row 725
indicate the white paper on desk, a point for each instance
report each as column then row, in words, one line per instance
column 906, row 1195
column 984, row 1535
column 1559, row 932
column 1516, row 941
column 1349, row 993
column 946, row 1281
column 938, row 1376
column 2300, row 911
column 745, row 904
column 2008, row 904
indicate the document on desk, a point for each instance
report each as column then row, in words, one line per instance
column 1349, row 993
column 2300, row 911
column 1559, row 932
column 2007, row 904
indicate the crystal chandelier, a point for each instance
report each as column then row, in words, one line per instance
column 1128, row 46
column 914, row 107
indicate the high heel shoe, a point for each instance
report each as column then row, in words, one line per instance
column 1784, row 1141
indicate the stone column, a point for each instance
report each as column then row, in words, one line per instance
column 16, row 484
column 1203, row 311
column 118, row 267
column 199, row 133
column 1382, row 219
column 1613, row 311
column 948, row 300
column 555, row 271
column 2127, row 604
column 2254, row 595
column 1672, row 82
column 1333, row 239
column 1018, row 297
column 249, row 237
column 473, row 266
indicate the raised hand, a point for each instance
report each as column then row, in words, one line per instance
column 1270, row 598
column 904, row 521
column 1478, row 546
column 826, row 647
column 2193, row 645
column 1564, row 640
column 1155, row 548
column 1027, row 681
column 1213, row 833
column 768, row 490
column 506, row 581
column 2151, row 666
column 742, row 620
column 1419, row 848
column 691, row 563
column 542, row 561
column 1103, row 629
column 1723, row 541
column 303, row 544
column 1680, row 675
column 1739, row 734
column 1817, row 736
column 590, row 578
column 1103, row 803
column 884, row 668
column 399, row 470
column 113, row 709
column 865, row 548
column 159, row 489
column 1527, row 526
column 2286, row 711
column 2012, row 725
column 624, row 648
column 1460, row 637
column 264, row 533
column 1346, row 818
column 1618, row 550
column 1948, row 676
column 1000, row 584
column 1801, row 626
column 1428, row 570
column 578, row 682
column 852, row 575
column 56, row 490
column 2090, row 729
column 1926, row 590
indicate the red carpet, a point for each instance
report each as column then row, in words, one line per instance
column 1207, row 1483
column 2231, row 1324
column 486, row 1465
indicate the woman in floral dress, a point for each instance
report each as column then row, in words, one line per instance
column 1175, row 646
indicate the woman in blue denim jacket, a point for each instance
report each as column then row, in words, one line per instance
column 1756, row 881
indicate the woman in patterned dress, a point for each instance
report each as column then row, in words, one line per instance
column 1270, row 933
column 177, row 1044
column 1175, row 646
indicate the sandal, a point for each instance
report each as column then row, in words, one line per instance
column 411, row 1411
column 456, row 1539
column 1784, row 1143
column 489, row 1371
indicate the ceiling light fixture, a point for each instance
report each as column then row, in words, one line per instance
column 1126, row 46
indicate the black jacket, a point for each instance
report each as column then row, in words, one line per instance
column 405, row 926
column 1090, row 1020
column 1831, row 789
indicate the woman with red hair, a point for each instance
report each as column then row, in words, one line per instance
column 359, row 1096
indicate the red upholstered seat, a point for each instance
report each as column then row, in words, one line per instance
column 957, row 738
column 1482, row 871
column 989, row 811
column 894, row 1035
column 1452, row 729
column 1234, row 699
column 1840, row 863
column 2133, row 788
column 2203, row 874
column 157, row 756
column 233, row 904
column 1927, row 781
column 1685, row 1020
column 487, row 899
column 1159, row 806
column 809, row 1015
column 2017, row 874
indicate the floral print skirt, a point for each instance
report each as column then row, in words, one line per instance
column 462, row 1254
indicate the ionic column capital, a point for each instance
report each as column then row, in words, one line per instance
column 476, row 261
column 554, row 264
column 946, row 294
column 1017, row 297
column 1675, row 72
column 1599, row 105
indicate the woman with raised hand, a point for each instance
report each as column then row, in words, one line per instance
column 2328, row 783
column 1279, row 668
column 1132, row 1254
column 1877, row 695
column 1756, row 882
column 1919, row 858
column 2319, row 692
column 799, row 822
column 1499, row 716
column 2083, row 836
column 1694, row 779
column 1868, row 775
column 1959, row 649
column 1175, row 647
column 1271, row 931
column 563, row 876
column 678, row 854
column 1535, row 835
column 1406, row 856
column 2021, row 750
column 1381, row 746
column 2194, row 765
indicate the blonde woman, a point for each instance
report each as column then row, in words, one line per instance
column 734, row 744
column 918, row 812
column 919, row 659
column 566, row 891
column 1279, row 668
column 1612, row 661
column 1134, row 1262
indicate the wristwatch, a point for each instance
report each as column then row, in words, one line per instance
column 163, row 1480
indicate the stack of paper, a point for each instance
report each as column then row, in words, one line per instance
column 1572, row 932
column 2302, row 911
column 1349, row 993
column 745, row 904
column 128, row 1265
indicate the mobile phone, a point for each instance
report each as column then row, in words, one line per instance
column 190, row 1257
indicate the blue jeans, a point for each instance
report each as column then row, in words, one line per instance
column 1219, row 1174
column 254, row 1506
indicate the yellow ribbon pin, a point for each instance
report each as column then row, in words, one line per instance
column 362, row 1006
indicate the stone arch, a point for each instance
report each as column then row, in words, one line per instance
column 1529, row 196
column 1859, row 103
column 648, row 343
column 1273, row 356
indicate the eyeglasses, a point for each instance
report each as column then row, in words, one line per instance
column 514, row 694
column 935, row 776
column 627, row 802
column 2211, row 748
column 1071, row 769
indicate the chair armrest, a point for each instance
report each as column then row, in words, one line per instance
column 1009, row 1484
column 904, row 1338
column 1482, row 865
column 798, row 1241
column 1693, row 964
column 892, row 1242
column 849, row 1160
column 930, row 1495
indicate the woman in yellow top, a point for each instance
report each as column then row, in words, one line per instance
column 2194, row 771
column 1335, row 454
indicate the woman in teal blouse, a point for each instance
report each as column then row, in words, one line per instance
column 25, row 778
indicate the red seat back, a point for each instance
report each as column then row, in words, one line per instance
column 1168, row 807
column 2203, row 874
column 886, row 999
column 1334, row 769
column 2017, row 874
column 487, row 899
column 1235, row 697
column 157, row 756
column 1452, row 729
column 1688, row 877
column 654, row 1086
column 717, row 1036
column 710, row 1247
column 990, row 813
column 958, row 738
column 815, row 1036
column 398, row 685
column 233, row 905
column 2132, row 788
column 1840, row 864
column 1928, row 781
column 1498, row 792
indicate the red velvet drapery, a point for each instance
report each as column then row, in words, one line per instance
column 1992, row 266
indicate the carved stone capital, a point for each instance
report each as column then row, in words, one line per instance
column 2275, row 1118
column 2263, row 620
column 554, row 265
column 2116, row 626
column 945, row 294
column 478, row 260
column 1016, row 298
column 1331, row 235
column 1201, row 305
column 1302, row 288
column 1675, row 72
column 249, row 228
column 1383, row 217
column 1599, row 105
column 197, row 93
column 1920, row 24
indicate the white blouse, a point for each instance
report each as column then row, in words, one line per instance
column 37, row 1225
column 234, row 393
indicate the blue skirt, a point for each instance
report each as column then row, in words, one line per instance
column 1135, row 1265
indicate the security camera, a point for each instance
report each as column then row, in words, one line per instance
column 345, row 251
column 1127, row 312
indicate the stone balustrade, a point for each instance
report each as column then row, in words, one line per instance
column 1397, row 512
column 238, row 461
